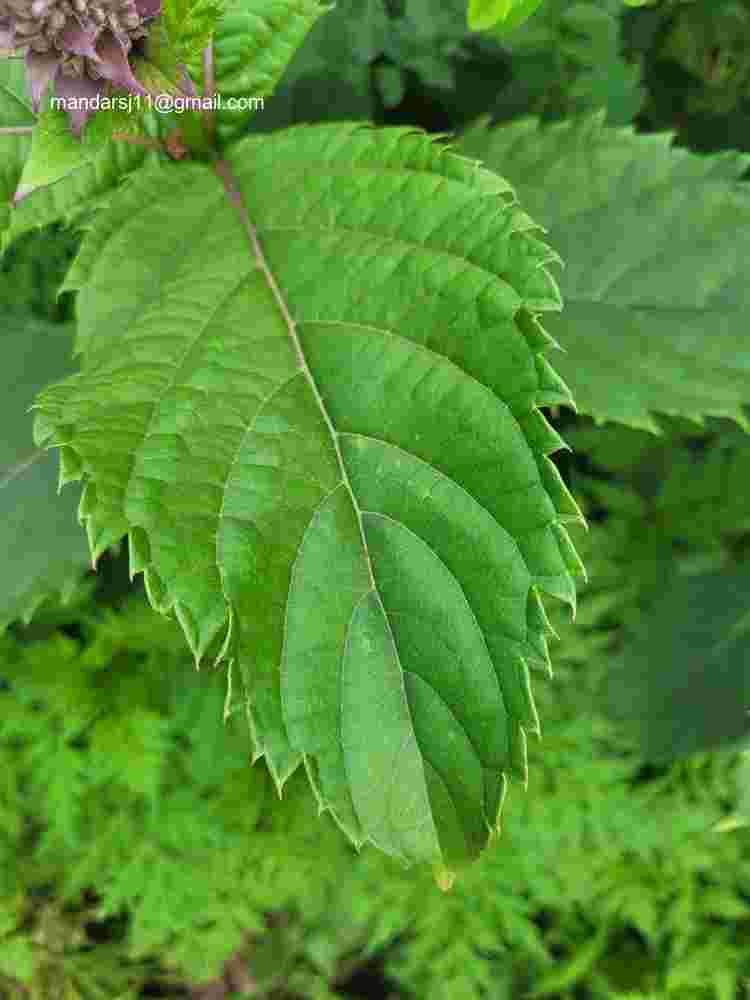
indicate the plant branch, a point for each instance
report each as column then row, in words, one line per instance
column 138, row 140
column 209, row 89
column 16, row 470
column 224, row 171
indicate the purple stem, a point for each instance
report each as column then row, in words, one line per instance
column 209, row 89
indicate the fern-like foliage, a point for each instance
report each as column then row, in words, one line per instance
column 655, row 240
column 310, row 396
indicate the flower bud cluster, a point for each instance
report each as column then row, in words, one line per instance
column 76, row 45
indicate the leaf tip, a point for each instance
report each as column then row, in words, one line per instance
column 228, row 699
column 225, row 646
column 742, row 420
column 190, row 629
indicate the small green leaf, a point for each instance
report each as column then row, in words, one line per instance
column 97, row 170
column 55, row 151
column 484, row 14
column 17, row 957
column 189, row 25
column 15, row 99
column 253, row 43
column 15, row 111
column 503, row 15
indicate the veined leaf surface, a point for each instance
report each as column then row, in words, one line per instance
column 15, row 110
column 254, row 41
column 655, row 241
column 313, row 406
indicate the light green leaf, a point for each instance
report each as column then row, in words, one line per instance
column 189, row 25
column 15, row 111
column 655, row 241
column 253, row 43
column 44, row 548
column 17, row 957
column 55, row 151
column 724, row 903
column 321, row 433
column 503, row 15
column 328, row 77
column 484, row 13
column 15, row 99
column 741, row 815
column 69, row 175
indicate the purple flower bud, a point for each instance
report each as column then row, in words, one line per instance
column 76, row 46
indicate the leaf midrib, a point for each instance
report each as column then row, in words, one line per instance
column 235, row 198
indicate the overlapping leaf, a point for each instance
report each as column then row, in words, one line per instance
column 655, row 241
column 15, row 110
column 567, row 60
column 254, row 41
column 705, row 499
column 88, row 177
column 44, row 551
column 698, row 698
column 322, row 436
column 81, row 172
column 506, row 14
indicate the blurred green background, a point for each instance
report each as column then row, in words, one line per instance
column 140, row 853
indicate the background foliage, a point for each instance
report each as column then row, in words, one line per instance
column 136, row 850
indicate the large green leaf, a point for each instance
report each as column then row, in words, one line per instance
column 320, row 429
column 44, row 551
column 655, row 241
column 683, row 684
